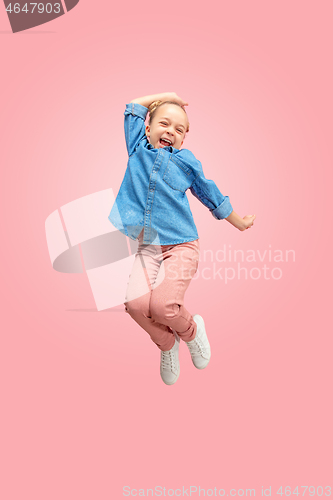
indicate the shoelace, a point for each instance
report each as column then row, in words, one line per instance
column 197, row 347
column 168, row 360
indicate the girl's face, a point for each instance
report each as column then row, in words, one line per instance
column 168, row 127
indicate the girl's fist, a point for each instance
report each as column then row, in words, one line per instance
column 248, row 221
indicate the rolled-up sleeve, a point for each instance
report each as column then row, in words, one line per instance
column 207, row 192
column 134, row 125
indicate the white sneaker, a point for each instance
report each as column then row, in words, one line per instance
column 199, row 347
column 169, row 367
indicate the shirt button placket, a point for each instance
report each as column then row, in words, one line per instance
column 151, row 190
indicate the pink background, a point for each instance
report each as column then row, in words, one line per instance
column 84, row 411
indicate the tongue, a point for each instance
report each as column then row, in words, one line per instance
column 165, row 143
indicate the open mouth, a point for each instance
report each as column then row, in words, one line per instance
column 165, row 142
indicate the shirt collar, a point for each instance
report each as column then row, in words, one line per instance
column 168, row 148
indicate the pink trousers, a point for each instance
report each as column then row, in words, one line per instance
column 155, row 293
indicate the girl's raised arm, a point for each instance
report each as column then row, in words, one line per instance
column 165, row 96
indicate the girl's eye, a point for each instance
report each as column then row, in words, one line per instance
column 178, row 130
column 163, row 123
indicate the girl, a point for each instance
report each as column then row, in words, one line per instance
column 152, row 206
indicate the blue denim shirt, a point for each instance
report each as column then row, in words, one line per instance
column 152, row 195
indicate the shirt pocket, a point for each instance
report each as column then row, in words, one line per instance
column 178, row 175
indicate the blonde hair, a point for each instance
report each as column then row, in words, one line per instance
column 156, row 104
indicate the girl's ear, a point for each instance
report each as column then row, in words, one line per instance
column 147, row 130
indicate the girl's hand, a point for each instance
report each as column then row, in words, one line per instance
column 248, row 221
column 172, row 96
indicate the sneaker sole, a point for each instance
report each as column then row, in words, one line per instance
column 199, row 320
column 171, row 383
